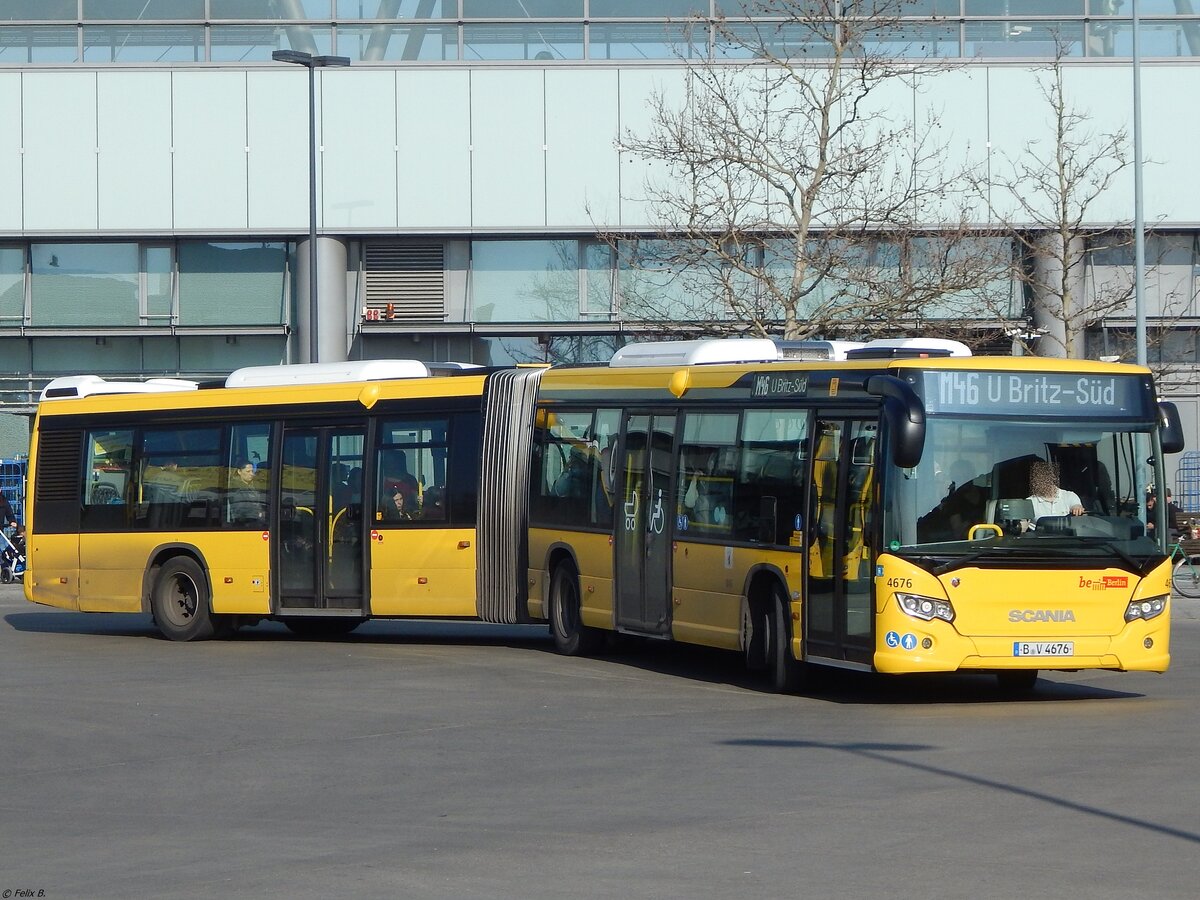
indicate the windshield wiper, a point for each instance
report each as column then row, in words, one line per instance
column 959, row 562
column 1116, row 550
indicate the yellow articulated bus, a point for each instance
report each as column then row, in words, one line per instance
column 905, row 508
column 318, row 495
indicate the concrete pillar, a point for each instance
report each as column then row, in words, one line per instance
column 331, row 300
column 1062, row 329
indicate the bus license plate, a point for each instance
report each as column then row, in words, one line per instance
column 1043, row 648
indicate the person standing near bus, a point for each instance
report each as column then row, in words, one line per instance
column 7, row 516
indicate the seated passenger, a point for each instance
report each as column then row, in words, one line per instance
column 433, row 506
column 404, row 504
column 247, row 503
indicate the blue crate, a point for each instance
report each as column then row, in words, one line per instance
column 12, row 484
column 1187, row 482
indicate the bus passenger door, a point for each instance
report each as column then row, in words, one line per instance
column 642, row 548
column 319, row 539
column 839, row 607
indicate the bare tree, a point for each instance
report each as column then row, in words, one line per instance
column 1046, row 198
column 797, row 191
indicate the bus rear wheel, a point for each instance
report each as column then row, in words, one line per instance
column 785, row 673
column 180, row 602
column 571, row 636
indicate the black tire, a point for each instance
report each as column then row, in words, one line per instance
column 180, row 602
column 1185, row 578
column 785, row 673
column 6, row 575
column 758, row 635
column 1017, row 682
column 322, row 626
column 571, row 636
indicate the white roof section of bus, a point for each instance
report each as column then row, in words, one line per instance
column 747, row 350
column 70, row 387
column 695, row 353
column 327, row 373
column 956, row 348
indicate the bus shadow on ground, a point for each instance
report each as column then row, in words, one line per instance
column 833, row 685
column 378, row 631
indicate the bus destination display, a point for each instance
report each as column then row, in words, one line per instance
column 1033, row 393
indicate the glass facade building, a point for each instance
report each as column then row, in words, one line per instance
column 155, row 172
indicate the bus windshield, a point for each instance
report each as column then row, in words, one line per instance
column 1058, row 490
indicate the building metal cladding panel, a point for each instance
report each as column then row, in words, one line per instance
column 508, row 168
column 209, row 114
column 433, row 112
column 59, row 128
column 582, row 164
column 358, row 134
column 277, row 123
column 1170, row 136
column 134, row 125
column 10, row 152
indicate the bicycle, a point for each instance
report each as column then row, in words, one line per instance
column 1185, row 575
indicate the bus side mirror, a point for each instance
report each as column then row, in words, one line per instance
column 905, row 416
column 1170, row 428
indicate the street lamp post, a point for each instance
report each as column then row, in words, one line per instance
column 312, row 63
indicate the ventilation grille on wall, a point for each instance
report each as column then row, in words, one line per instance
column 405, row 282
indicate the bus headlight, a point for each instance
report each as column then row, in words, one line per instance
column 1148, row 608
column 926, row 608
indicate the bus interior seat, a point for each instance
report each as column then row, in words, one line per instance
column 1010, row 480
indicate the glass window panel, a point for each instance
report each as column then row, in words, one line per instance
column 85, row 284
column 1023, row 7
column 156, row 263
column 270, row 9
column 569, row 471
column 143, row 43
column 370, row 43
column 916, row 41
column 490, row 42
column 221, row 354
column 249, row 478
column 525, row 281
column 777, row 40
column 232, row 284
column 598, row 280
column 109, row 467
column 411, row 471
column 33, row 10
column 143, row 9
column 628, row 9
column 39, row 44
column 255, row 43
column 1023, row 39
column 653, row 281
column 1159, row 40
column 522, row 9
column 408, row 9
column 1145, row 8
column 931, row 8
column 12, row 285
column 659, row 41
column 91, row 355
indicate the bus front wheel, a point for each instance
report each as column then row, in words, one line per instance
column 179, row 602
column 785, row 673
column 571, row 636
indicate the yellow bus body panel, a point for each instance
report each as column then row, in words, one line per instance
column 995, row 608
column 423, row 572
column 52, row 577
column 593, row 554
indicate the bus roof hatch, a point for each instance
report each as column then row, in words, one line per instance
column 327, row 373
column 71, row 386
